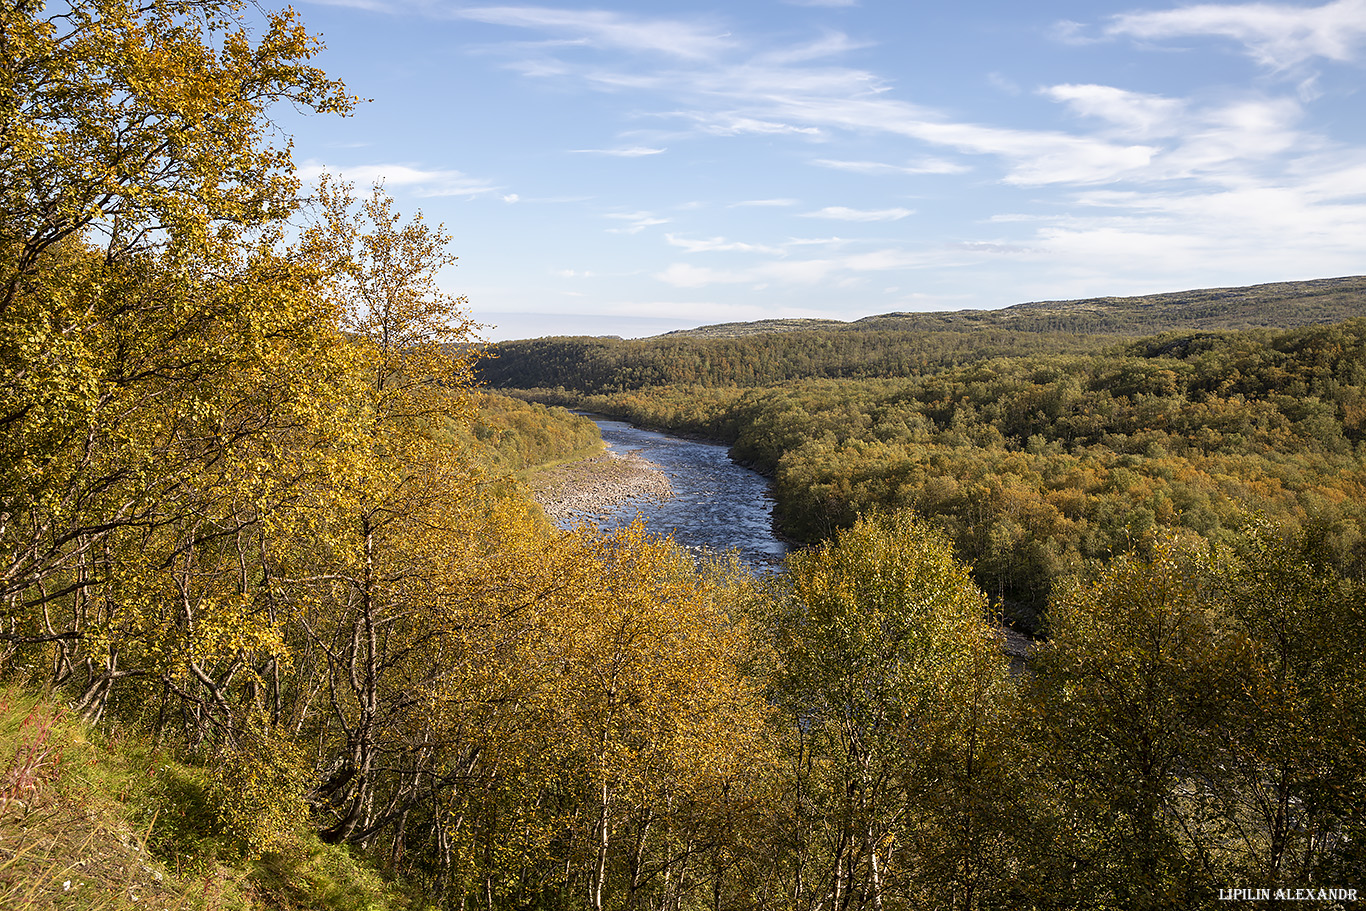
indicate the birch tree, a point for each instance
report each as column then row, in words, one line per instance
column 897, row 704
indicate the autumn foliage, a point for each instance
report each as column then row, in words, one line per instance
column 252, row 505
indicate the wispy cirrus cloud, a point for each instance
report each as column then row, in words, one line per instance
column 721, row 85
column 831, row 44
column 818, row 242
column 674, row 38
column 1117, row 177
column 765, row 203
column 629, row 152
column 1133, row 113
column 1031, row 157
column 729, row 123
column 878, row 168
column 844, row 213
column 1222, row 143
column 1276, row 35
column 799, row 271
column 412, row 178
column 720, row 245
column 635, row 221
column 1124, row 233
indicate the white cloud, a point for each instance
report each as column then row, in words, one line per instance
column 686, row 275
column 1264, row 215
column 881, row 261
column 374, row 6
column 1245, row 231
column 540, row 68
column 735, row 125
column 1136, row 114
column 1220, row 143
column 1338, row 178
column 1159, row 182
column 765, row 202
column 672, row 37
column 719, row 245
column 1279, row 36
column 1068, row 31
column 830, row 45
column 818, row 241
column 1004, row 84
column 844, row 213
column 720, row 87
column 726, row 92
column 923, row 166
column 1226, row 143
column 637, row 221
column 416, row 180
column 993, row 249
column 800, row 271
column 1033, row 157
column 632, row 152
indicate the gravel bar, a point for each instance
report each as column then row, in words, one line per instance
column 587, row 490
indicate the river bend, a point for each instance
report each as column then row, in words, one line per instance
column 717, row 504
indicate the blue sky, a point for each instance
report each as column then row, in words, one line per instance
column 630, row 168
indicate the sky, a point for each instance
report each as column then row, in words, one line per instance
column 608, row 168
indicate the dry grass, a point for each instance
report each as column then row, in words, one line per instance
column 92, row 821
column 66, row 836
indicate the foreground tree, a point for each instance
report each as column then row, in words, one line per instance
column 1133, row 693
column 1294, row 761
column 1199, row 722
column 393, row 527
column 154, row 351
column 898, row 707
column 144, row 125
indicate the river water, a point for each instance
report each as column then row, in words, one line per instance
column 717, row 504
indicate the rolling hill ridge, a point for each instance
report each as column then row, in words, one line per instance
column 1281, row 305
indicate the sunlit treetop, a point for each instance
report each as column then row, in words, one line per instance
column 146, row 123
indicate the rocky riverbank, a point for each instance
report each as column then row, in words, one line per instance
column 585, row 491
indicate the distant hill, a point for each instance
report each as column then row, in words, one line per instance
column 1277, row 305
column 905, row 344
column 740, row 330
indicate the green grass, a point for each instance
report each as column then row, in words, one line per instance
column 93, row 820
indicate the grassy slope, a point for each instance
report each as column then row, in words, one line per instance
column 92, row 821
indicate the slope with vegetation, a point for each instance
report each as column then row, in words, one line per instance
column 1273, row 305
column 101, row 820
column 908, row 344
column 280, row 627
column 1041, row 454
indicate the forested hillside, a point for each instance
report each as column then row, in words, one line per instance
column 1040, row 466
column 906, row 344
column 1276, row 305
column 281, row 628
column 606, row 365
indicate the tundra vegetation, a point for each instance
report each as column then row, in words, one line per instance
column 282, row 628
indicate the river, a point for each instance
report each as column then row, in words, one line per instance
column 717, row 504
